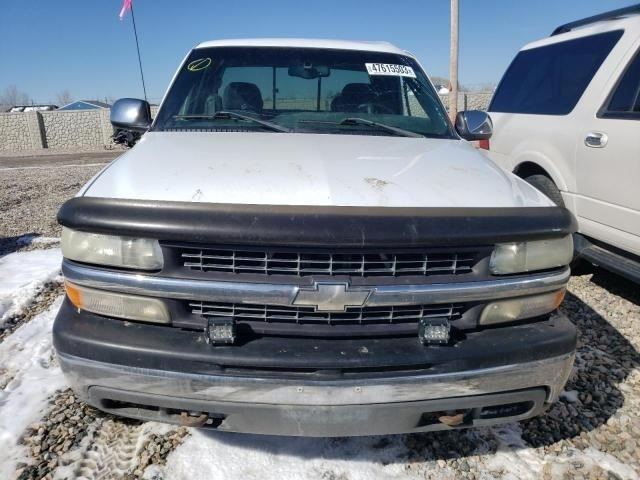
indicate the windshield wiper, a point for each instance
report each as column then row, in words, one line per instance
column 223, row 114
column 383, row 126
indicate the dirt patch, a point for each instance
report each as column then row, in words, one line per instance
column 377, row 184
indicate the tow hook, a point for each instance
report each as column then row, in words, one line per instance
column 452, row 420
column 187, row 419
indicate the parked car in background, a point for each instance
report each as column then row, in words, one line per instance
column 302, row 243
column 566, row 118
column 32, row 108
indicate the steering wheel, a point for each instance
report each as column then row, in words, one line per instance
column 373, row 107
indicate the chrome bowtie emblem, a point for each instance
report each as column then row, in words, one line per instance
column 331, row 297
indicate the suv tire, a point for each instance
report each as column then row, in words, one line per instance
column 546, row 186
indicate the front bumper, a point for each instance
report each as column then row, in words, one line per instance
column 321, row 409
column 315, row 386
column 156, row 373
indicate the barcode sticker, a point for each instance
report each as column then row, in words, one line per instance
column 390, row 69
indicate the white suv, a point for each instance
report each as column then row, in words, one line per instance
column 567, row 119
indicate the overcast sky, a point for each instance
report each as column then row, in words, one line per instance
column 47, row 46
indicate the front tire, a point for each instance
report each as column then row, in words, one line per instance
column 546, row 186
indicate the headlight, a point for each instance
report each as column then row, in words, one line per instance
column 530, row 256
column 520, row 308
column 113, row 250
column 119, row 305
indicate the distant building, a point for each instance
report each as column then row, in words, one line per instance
column 85, row 105
column 32, row 108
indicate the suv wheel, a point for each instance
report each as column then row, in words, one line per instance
column 546, row 186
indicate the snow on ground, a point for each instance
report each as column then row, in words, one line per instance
column 225, row 456
column 28, row 373
column 207, row 455
column 31, row 374
column 22, row 274
column 516, row 461
column 26, row 240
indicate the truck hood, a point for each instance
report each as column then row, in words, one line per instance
column 310, row 169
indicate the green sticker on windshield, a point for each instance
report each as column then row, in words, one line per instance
column 199, row 64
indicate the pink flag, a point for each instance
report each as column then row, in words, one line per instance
column 126, row 5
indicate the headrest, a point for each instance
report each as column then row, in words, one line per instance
column 242, row 96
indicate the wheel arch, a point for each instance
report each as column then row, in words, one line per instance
column 529, row 167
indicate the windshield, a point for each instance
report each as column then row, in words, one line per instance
column 303, row 90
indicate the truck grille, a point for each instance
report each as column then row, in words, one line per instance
column 302, row 263
column 362, row 321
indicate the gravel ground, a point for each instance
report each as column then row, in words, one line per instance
column 594, row 425
column 75, row 440
column 30, row 199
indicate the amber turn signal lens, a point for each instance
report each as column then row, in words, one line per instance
column 520, row 308
column 560, row 297
column 74, row 294
column 118, row 305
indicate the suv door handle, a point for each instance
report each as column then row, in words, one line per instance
column 596, row 139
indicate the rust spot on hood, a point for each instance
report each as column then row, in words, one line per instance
column 377, row 184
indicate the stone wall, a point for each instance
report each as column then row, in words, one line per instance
column 476, row 101
column 91, row 129
column 56, row 130
column 14, row 132
column 67, row 129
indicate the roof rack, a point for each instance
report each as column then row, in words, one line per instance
column 620, row 12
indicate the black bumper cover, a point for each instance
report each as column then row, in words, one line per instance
column 165, row 348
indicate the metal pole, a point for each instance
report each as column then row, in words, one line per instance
column 453, row 64
column 135, row 32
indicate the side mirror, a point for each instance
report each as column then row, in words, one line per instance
column 131, row 114
column 474, row 125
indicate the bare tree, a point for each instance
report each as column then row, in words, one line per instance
column 12, row 96
column 64, row 98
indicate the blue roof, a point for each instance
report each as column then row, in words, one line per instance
column 85, row 105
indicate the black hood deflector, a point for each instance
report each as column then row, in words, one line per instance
column 314, row 225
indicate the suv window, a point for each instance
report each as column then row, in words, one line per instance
column 625, row 101
column 550, row 80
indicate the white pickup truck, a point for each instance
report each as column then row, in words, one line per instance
column 303, row 244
